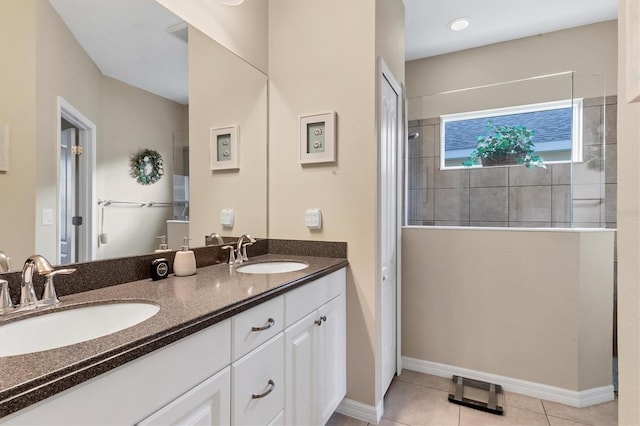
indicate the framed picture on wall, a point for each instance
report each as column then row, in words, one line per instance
column 317, row 138
column 224, row 148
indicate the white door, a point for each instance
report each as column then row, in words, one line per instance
column 67, row 197
column 389, row 132
column 301, row 361
column 81, row 184
column 332, row 365
column 207, row 404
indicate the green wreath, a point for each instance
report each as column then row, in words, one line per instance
column 146, row 166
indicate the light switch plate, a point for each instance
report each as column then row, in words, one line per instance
column 47, row 216
column 313, row 219
column 227, row 217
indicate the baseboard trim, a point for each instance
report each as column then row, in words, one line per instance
column 360, row 411
column 537, row 390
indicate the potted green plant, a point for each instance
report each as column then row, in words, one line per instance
column 505, row 145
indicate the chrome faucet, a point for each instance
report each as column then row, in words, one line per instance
column 211, row 237
column 28, row 299
column 49, row 297
column 242, row 247
column 5, row 264
column 6, row 306
column 232, row 255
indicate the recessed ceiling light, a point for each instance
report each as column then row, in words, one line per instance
column 231, row 2
column 459, row 24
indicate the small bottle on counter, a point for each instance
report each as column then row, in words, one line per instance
column 164, row 247
column 184, row 263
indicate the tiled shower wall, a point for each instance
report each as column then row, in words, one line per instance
column 516, row 196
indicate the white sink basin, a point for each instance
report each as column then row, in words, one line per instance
column 275, row 267
column 62, row 328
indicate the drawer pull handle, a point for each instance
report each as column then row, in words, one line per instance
column 272, row 386
column 319, row 321
column 270, row 323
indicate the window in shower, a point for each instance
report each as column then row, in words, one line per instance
column 557, row 130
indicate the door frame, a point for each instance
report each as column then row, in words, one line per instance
column 384, row 73
column 87, row 136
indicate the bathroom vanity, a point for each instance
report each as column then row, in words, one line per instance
column 225, row 348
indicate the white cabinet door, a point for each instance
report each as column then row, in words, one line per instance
column 332, row 364
column 258, row 384
column 207, row 404
column 301, row 360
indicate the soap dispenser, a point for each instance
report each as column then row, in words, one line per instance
column 184, row 263
column 164, row 247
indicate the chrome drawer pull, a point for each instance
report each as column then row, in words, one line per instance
column 272, row 386
column 270, row 323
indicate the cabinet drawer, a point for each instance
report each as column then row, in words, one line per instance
column 257, row 384
column 255, row 326
column 307, row 298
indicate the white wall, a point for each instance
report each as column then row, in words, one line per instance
column 133, row 119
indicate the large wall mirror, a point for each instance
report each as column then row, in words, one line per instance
column 86, row 85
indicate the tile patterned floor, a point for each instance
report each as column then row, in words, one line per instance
column 416, row 399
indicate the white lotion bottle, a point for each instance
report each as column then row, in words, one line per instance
column 164, row 247
column 184, row 263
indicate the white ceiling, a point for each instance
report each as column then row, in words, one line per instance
column 128, row 40
column 493, row 21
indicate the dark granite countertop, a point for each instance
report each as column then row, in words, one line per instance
column 187, row 305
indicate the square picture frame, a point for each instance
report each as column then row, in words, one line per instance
column 223, row 152
column 317, row 138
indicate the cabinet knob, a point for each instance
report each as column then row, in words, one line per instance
column 270, row 389
column 270, row 323
column 319, row 321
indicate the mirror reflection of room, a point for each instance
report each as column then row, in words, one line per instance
column 110, row 81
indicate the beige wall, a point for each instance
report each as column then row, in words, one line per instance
column 133, row 119
column 314, row 72
column 17, row 106
column 225, row 91
column 628, row 229
column 530, row 305
column 62, row 69
column 586, row 49
column 241, row 29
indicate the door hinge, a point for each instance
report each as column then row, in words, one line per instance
column 77, row 150
column 76, row 220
